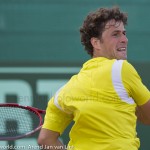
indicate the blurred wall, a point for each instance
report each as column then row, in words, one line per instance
column 40, row 49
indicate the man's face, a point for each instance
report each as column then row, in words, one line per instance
column 113, row 43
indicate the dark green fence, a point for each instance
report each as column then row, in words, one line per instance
column 43, row 34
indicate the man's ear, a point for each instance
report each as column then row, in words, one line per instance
column 95, row 43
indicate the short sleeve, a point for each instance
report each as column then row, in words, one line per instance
column 133, row 84
column 55, row 119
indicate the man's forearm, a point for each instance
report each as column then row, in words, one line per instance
column 53, row 146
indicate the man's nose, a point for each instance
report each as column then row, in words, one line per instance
column 124, row 39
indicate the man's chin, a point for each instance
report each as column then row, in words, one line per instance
column 122, row 58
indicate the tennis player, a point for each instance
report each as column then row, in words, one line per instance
column 105, row 98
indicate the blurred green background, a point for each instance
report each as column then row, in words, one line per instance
column 40, row 49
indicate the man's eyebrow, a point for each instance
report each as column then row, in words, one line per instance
column 117, row 31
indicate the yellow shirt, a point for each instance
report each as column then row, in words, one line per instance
column 101, row 99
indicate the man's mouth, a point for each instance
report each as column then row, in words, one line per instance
column 121, row 49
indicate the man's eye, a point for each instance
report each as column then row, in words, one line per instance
column 124, row 33
column 116, row 34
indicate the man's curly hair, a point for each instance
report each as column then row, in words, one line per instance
column 94, row 25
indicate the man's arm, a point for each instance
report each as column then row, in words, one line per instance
column 143, row 113
column 49, row 140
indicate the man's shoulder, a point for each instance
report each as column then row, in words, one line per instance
column 124, row 63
